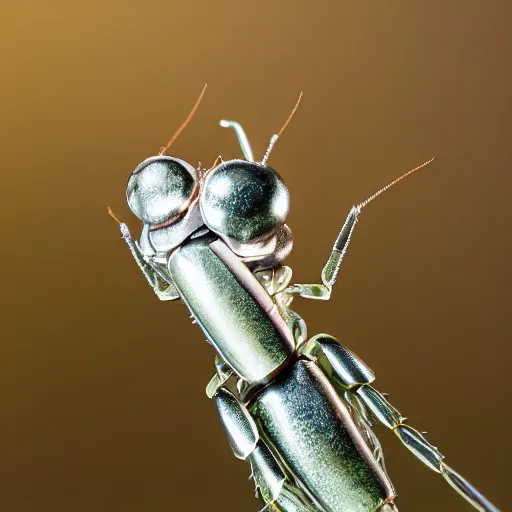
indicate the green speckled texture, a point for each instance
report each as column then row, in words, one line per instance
column 233, row 320
column 311, row 430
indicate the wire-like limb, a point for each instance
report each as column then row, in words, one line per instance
column 242, row 138
column 332, row 267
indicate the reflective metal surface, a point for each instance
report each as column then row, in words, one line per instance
column 160, row 188
column 267, row 474
column 169, row 237
column 342, row 364
column 231, row 317
column 240, row 427
column 244, row 200
column 301, row 411
column 311, row 429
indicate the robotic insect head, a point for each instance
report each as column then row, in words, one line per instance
column 243, row 202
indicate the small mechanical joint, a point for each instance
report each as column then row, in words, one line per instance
column 380, row 408
column 338, row 362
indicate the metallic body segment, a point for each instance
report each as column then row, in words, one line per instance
column 284, row 244
column 266, row 253
column 240, row 427
column 169, row 237
column 418, row 445
column 338, row 361
column 232, row 318
column 253, row 286
column 268, row 475
column 380, row 407
column 466, row 490
column 310, row 428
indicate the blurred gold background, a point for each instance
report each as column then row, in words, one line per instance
column 102, row 404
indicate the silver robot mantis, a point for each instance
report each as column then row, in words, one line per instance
column 300, row 409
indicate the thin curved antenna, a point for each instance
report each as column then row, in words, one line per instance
column 163, row 149
column 242, row 138
column 292, row 113
column 360, row 206
column 111, row 213
column 271, row 144
column 332, row 267
column 274, row 137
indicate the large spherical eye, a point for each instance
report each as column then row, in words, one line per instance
column 244, row 200
column 160, row 188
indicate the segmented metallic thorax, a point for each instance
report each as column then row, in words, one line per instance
column 300, row 410
column 218, row 236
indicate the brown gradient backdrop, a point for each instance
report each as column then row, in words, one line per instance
column 102, row 403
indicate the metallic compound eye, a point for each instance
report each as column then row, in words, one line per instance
column 161, row 188
column 244, row 200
